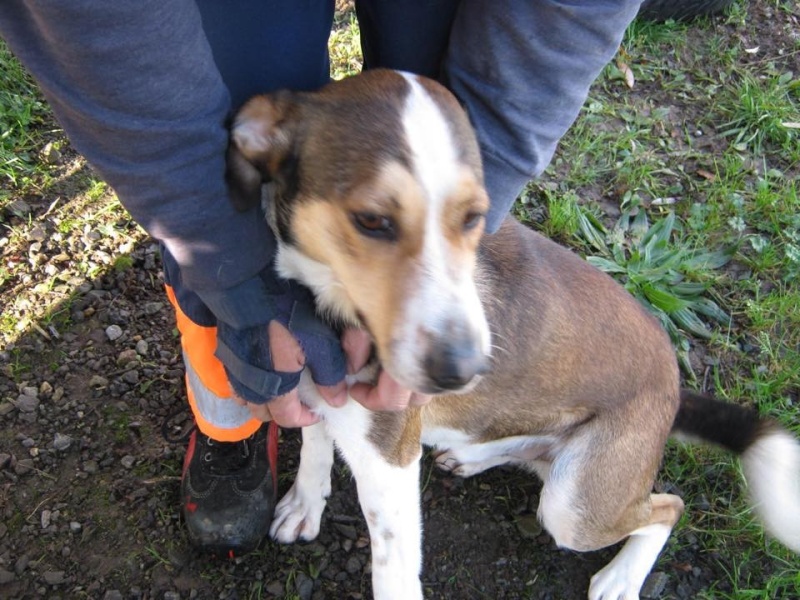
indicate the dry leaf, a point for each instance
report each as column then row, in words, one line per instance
column 626, row 73
column 706, row 175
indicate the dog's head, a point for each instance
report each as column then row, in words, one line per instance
column 375, row 194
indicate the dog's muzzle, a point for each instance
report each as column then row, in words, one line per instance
column 451, row 365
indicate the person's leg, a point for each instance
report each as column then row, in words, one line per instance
column 409, row 36
column 139, row 93
column 260, row 46
column 229, row 481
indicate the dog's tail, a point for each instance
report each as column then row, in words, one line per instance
column 770, row 457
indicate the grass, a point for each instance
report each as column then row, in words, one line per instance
column 24, row 123
column 699, row 158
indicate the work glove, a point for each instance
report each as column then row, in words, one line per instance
column 243, row 346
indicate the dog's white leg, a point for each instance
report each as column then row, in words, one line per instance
column 623, row 577
column 298, row 514
column 390, row 500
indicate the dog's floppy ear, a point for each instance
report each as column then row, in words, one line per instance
column 258, row 144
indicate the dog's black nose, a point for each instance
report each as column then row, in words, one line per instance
column 452, row 366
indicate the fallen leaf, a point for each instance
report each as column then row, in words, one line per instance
column 791, row 125
column 706, row 175
column 752, row 50
column 627, row 74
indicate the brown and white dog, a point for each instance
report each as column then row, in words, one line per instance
column 374, row 189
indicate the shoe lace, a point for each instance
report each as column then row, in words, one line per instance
column 218, row 457
column 225, row 457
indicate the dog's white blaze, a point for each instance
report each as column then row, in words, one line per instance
column 443, row 294
column 433, row 149
column 772, row 469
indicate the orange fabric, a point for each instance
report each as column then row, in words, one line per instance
column 218, row 433
column 199, row 344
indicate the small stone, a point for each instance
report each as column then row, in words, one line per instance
column 97, row 381
column 53, row 577
column 23, row 466
column 127, row 356
column 37, row 234
column 58, row 394
column 141, row 348
column 353, row 565
column 113, row 332
column 128, row 461
column 529, row 526
column 45, row 520
column 276, row 588
column 152, row 308
column 3, row 530
column 75, row 527
column 304, row 586
column 27, row 404
column 654, row 585
column 5, row 408
column 347, row 531
column 172, row 596
column 112, row 595
column 6, row 576
column 30, row 390
column 61, row 442
column 90, row 466
column 131, row 377
column 4, row 459
column 51, row 154
column 46, row 389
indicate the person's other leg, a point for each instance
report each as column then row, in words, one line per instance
column 408, row 36
column 229, row 481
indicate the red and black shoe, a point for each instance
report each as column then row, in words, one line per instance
column 229, row 491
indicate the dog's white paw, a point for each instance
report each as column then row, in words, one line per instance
column 613, row 583
column 297, row 516
column 451, row 462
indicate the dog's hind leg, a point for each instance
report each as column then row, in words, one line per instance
column 623, row 577
column 298, row 514
column 597, row 492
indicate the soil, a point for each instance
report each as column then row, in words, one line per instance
column 89, row 503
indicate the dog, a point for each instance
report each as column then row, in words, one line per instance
column 374, row 189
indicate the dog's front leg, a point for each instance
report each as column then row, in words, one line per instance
column 298, row 514
column 384, row 458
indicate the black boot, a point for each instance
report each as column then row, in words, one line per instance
column 228, row 491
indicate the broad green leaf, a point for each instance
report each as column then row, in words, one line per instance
column 663, row 299
column 690, row 322
column 710, row 309
column 609, row 266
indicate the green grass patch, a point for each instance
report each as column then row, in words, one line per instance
column 24, row 120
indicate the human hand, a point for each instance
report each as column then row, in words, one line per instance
column 265, row 354
column 287, row 410
column 387, row 394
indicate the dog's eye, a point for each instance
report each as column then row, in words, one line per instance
column 472, row 220
column 375, row 226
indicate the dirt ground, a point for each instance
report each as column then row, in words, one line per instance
column 89, row 503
